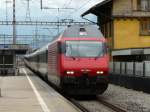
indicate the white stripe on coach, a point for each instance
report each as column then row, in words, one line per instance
column 41, row 101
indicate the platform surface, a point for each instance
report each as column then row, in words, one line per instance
column 28, row 93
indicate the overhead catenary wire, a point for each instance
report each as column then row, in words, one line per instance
column 65, row 2
column 75, row 11
column 65, row 6
column 57, row 17
column 69, row 3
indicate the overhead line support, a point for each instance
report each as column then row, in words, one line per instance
column 14, row 22
column 42, row 23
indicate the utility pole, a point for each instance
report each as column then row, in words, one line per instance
column 36, row 37
column 28, row 17
column 14, row 22
column 14, row 33
column 41, row 4
column 7, row 2
column 58, row 20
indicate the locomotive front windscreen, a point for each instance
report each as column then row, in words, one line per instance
column 84, row 49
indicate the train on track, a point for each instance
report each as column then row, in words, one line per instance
column 77, row 61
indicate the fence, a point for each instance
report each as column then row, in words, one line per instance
column 141, row 69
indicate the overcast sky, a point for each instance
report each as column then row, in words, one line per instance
column 36, row 13
column 79, row 6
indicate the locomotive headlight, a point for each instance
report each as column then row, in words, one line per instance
column 100, row 72
column 70, row 72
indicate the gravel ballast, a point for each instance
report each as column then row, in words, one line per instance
column 128, row 99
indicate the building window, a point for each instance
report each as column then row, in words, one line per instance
column 145, row 27
column 144, row 5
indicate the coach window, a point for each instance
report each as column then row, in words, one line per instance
column 145, row 27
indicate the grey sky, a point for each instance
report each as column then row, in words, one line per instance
column 37, row 14
column 79, row 6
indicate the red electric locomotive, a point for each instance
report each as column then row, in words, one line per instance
column 77, row 61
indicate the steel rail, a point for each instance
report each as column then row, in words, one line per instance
column 111, row 106
column 78, row 105
column 72, row 101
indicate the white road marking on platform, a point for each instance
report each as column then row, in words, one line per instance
column 41, row 101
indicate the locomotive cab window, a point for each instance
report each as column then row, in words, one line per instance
column 84, row 49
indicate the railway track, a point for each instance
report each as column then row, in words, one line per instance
column 77, row 104
column 108, row 105
column 111, row 106
column 85, row 109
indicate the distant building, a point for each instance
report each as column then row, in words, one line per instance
column 126, row 25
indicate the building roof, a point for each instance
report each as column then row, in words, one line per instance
column 105, row 10
column 96, row 6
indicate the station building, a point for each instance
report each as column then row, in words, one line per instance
column 10, row 55
column 126, row 25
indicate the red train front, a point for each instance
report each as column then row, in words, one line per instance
column 78, row 61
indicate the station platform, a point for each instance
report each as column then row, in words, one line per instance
column 28, row 93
